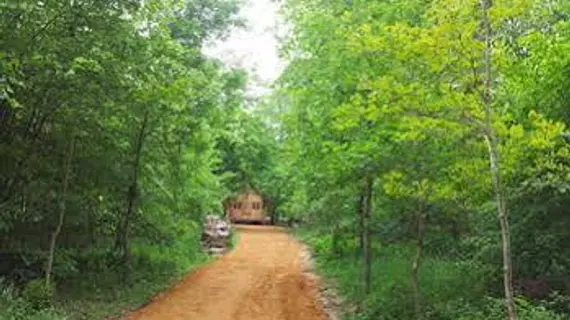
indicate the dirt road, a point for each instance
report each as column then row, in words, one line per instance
column 261, row 279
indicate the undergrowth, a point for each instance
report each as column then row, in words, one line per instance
column 100, row 289
column 451, row 288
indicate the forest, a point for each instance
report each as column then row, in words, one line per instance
column 420, row 146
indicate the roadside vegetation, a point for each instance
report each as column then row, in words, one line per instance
column 424, row 147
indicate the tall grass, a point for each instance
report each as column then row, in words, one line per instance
column 451, row 288
column 14, row 307
column 100, row 289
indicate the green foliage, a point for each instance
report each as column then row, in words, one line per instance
column 147, row 112
column 39, row 293
column 444, row 281
column 396, row 91
column 494, row 309
column 99, row 294
column 14, row 307
column 453, row 288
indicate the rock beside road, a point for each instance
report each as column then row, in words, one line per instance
column 216, row 235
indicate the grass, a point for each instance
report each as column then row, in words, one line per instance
column 98, row 290
column 451, row 288
column 110, row 293
column 234, row 240
column 106, row 292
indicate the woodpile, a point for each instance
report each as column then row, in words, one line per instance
column 216, row 236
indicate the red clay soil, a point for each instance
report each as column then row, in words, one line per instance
column 262, row 279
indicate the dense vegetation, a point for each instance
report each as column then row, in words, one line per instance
column 422, row 144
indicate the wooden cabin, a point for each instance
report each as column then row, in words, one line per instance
column 247, row 207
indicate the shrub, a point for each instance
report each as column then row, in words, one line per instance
column 452, row 287
column 14, row 307
column 494, row 309
column 39, row 294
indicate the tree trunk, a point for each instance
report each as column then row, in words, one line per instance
column 504, row 222
column 122, row 237
column 90, row 230
column 335, row 239
column 422, row 224
column 495, row 164
column 270, row 207
column 366, row 214
column 361, row 209
column 61, row 216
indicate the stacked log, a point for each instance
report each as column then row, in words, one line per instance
column 216, row 236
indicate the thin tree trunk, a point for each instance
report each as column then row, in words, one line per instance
column 361, row 209
column 366, row 235
column 270, row 205
column 504, row 222
column 62, row 207
column 122, row 238
column 335, row 240
column 495, row 164
column 422, row 224
column 90, row 230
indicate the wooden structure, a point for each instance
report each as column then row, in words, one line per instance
column 247, row 207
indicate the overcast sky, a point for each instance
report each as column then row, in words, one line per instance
column 254, row 47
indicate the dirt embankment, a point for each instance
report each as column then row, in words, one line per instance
column 262, row 279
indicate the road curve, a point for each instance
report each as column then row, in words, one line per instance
column 262, row 279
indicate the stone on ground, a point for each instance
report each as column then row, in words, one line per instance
column 216, row 236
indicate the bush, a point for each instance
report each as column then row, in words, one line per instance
column 14, row 307
column 494, row 309
column 106, row 289
column 452, row 287
column 39, row 293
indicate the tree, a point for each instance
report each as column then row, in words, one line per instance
column 145, row 107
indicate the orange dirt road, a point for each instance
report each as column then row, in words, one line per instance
column 262, row 279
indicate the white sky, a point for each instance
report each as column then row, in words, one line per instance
column 254, row 47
